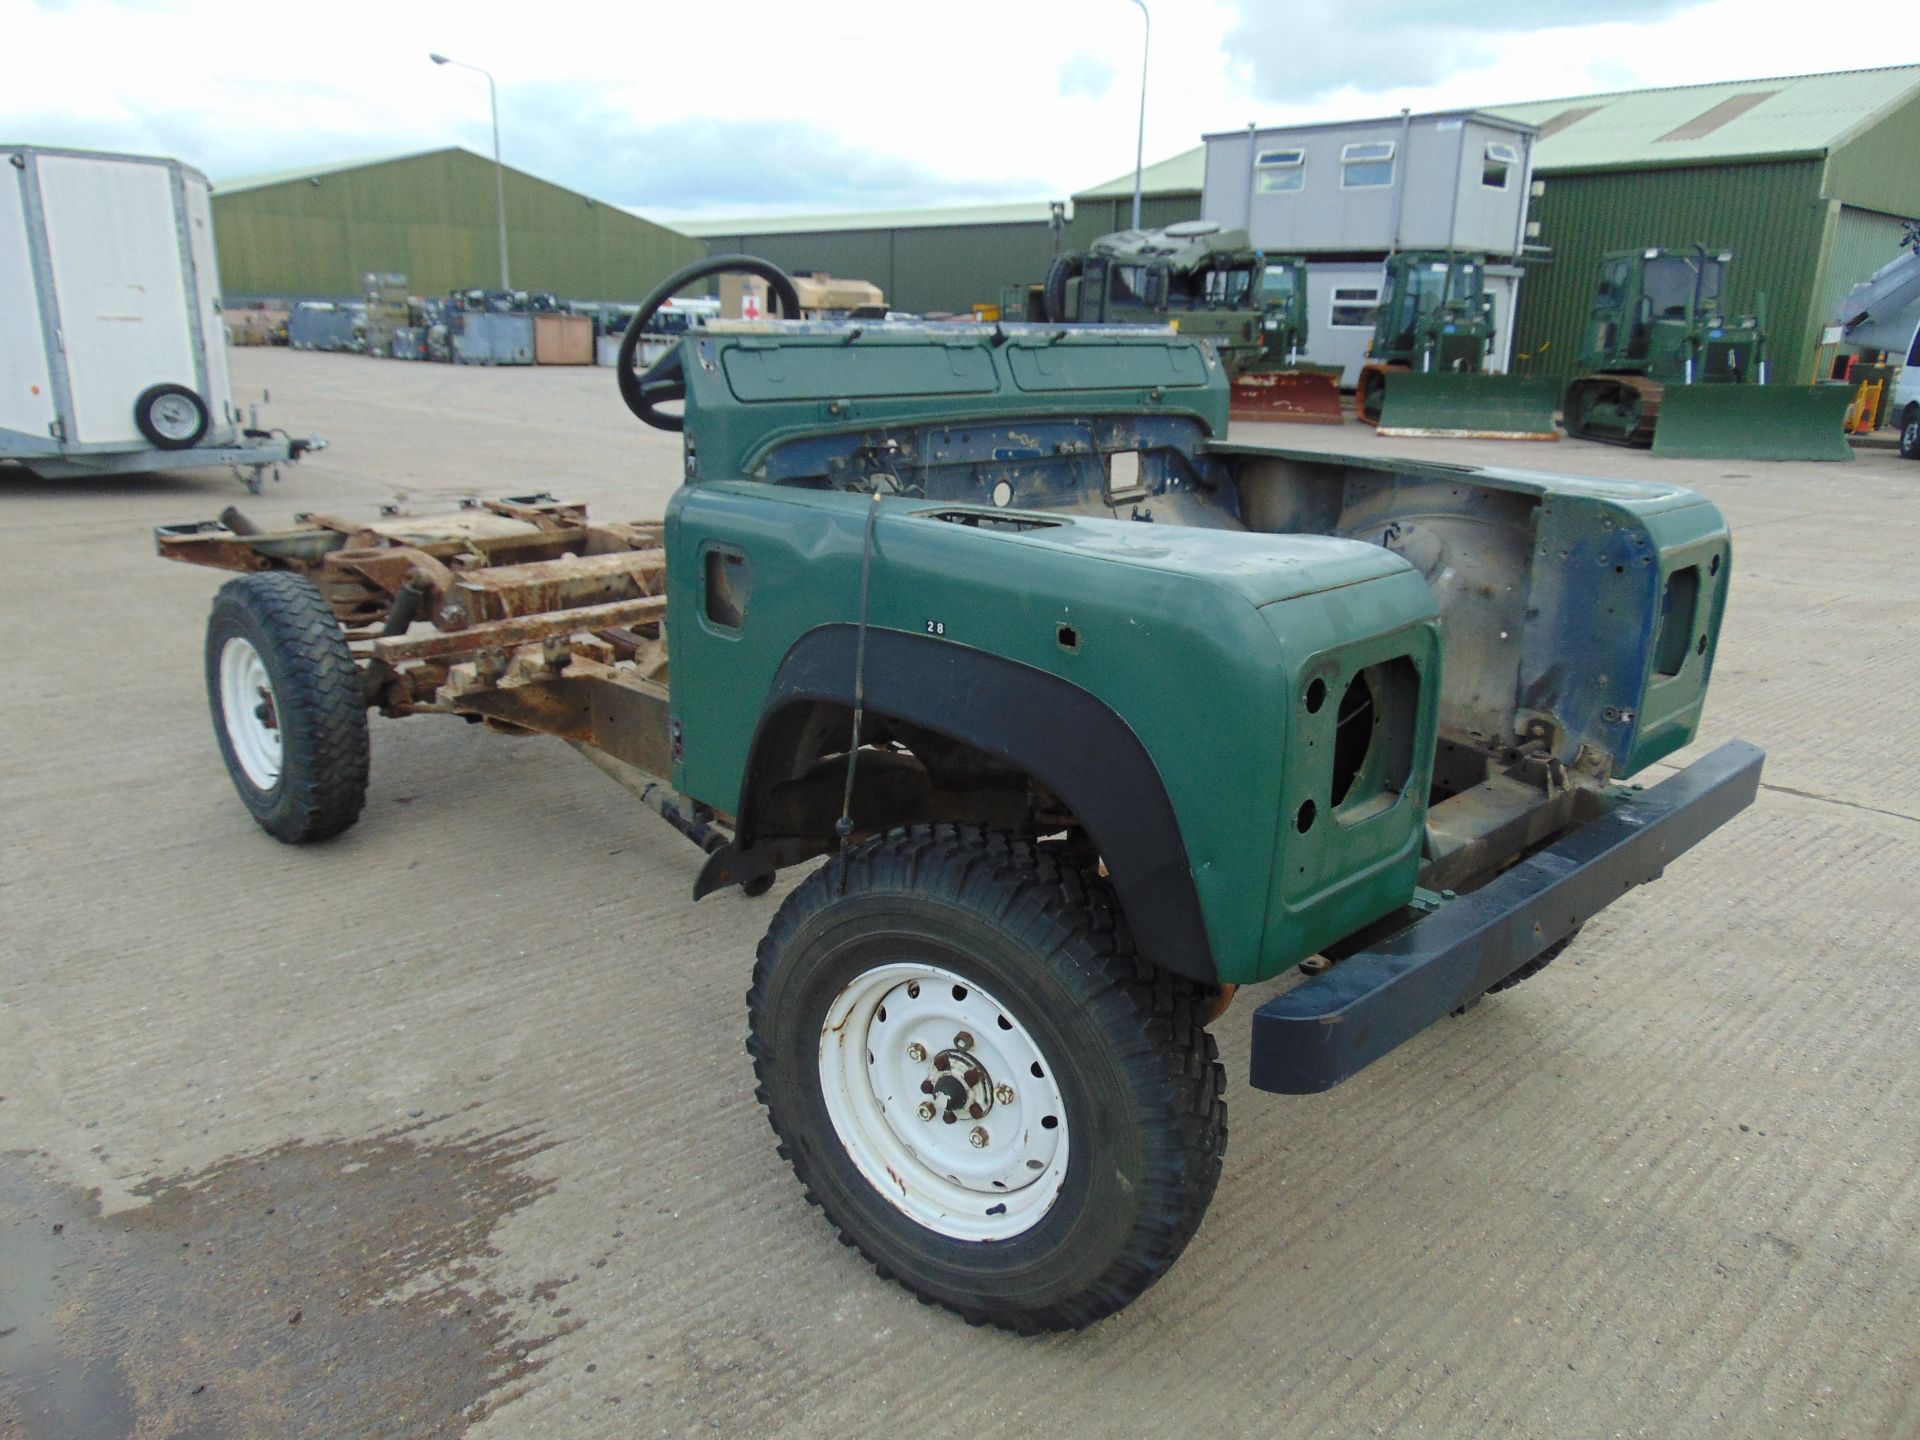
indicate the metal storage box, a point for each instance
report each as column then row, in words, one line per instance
column 323, row 326
column 481, row 337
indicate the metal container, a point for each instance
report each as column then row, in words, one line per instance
column 410, row 343
column 323, row 327
column 483, row 338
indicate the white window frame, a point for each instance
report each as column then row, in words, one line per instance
column 1499, row 153
column 1348, row 295
column 1266, row 164
column 1348, row 160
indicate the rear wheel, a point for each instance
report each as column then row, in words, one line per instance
column 980, row 1083
column 1910, row 434
column 287, row 706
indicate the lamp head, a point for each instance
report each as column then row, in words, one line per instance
column 438, row 59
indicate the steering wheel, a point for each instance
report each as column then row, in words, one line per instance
column 666, row 379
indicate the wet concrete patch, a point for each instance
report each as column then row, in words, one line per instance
column 325, row 1289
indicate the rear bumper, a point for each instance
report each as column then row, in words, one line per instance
column 1317, row 1034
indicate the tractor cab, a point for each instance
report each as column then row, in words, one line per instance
column 1437, row 314
column 1661, row 313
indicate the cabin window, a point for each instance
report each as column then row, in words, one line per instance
column 1277, row 172
column 1497, row 168
column 1366, row 165
column 1354, row 307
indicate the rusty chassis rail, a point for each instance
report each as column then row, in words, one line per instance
column 518, row 613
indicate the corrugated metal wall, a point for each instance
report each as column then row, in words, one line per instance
column 1094, row 217
column 1862, row 242
column 432, row 218
column 1770, row 215
column 930, row 268
column 1877, row 169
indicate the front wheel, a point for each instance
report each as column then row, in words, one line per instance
column 287, row 706
column 979, row 1082
column 1910, row 434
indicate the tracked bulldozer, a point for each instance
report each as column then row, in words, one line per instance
column 1426, row 364
column 1670, row 369
column 1211, row 283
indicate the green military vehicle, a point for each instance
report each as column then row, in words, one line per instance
column 1078, row 715
column 1212, row 284
column 1670, row 368
column 1426, row 371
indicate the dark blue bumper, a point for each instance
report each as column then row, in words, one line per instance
column 1318, row 1033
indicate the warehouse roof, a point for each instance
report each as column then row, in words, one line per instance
column 314, row 172
column 1184, row 171
column 1024, row 212
column 1737, row 120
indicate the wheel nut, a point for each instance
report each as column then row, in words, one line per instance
column 963, row 1041
column 916, row 1052
column 1003, row 1094
column 977, row 1137
column 926, row 1110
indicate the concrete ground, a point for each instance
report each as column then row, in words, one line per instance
column 448, row 1122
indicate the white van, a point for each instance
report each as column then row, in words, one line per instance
column 1905, row 410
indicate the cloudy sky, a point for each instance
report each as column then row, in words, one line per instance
column 751, row 107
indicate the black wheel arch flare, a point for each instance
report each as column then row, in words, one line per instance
column 1058, row 733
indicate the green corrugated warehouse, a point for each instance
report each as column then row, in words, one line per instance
column 941, row 260
column 317, row 233
column 1806, row 179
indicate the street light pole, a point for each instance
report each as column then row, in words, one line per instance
column 1140, row 141
column 499, row 171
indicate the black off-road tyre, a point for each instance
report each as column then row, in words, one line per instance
column 1133, row 1065
column 1910, row 434
column 1054, row 293
column 1534, row 966
column 315, row 704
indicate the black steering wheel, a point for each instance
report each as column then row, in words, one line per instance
column 666, row 379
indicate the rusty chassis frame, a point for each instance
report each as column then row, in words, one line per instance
column 517, row 613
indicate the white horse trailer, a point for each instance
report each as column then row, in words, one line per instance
column 113, row 356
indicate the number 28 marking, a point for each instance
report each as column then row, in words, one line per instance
column 936, row 627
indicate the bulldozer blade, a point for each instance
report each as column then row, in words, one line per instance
column 1298, row 397
column 1754, row 422
column 1469, row 407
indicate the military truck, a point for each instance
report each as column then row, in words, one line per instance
column 1075, row 715
column 1209, row 283
column 1426, row 372
column 1668, row 367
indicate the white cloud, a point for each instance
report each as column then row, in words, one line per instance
column 844, row 104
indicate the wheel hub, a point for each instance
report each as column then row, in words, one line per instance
column 250, row 714
column 943, row 1101
column 960, row 1085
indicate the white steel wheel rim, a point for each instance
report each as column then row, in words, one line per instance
column 174, row 416
column 896, row 1030
column 250, row 712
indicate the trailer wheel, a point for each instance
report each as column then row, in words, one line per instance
column 1910, row 434
column 171, row 416
column 980, row 1083
column 287, row 706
